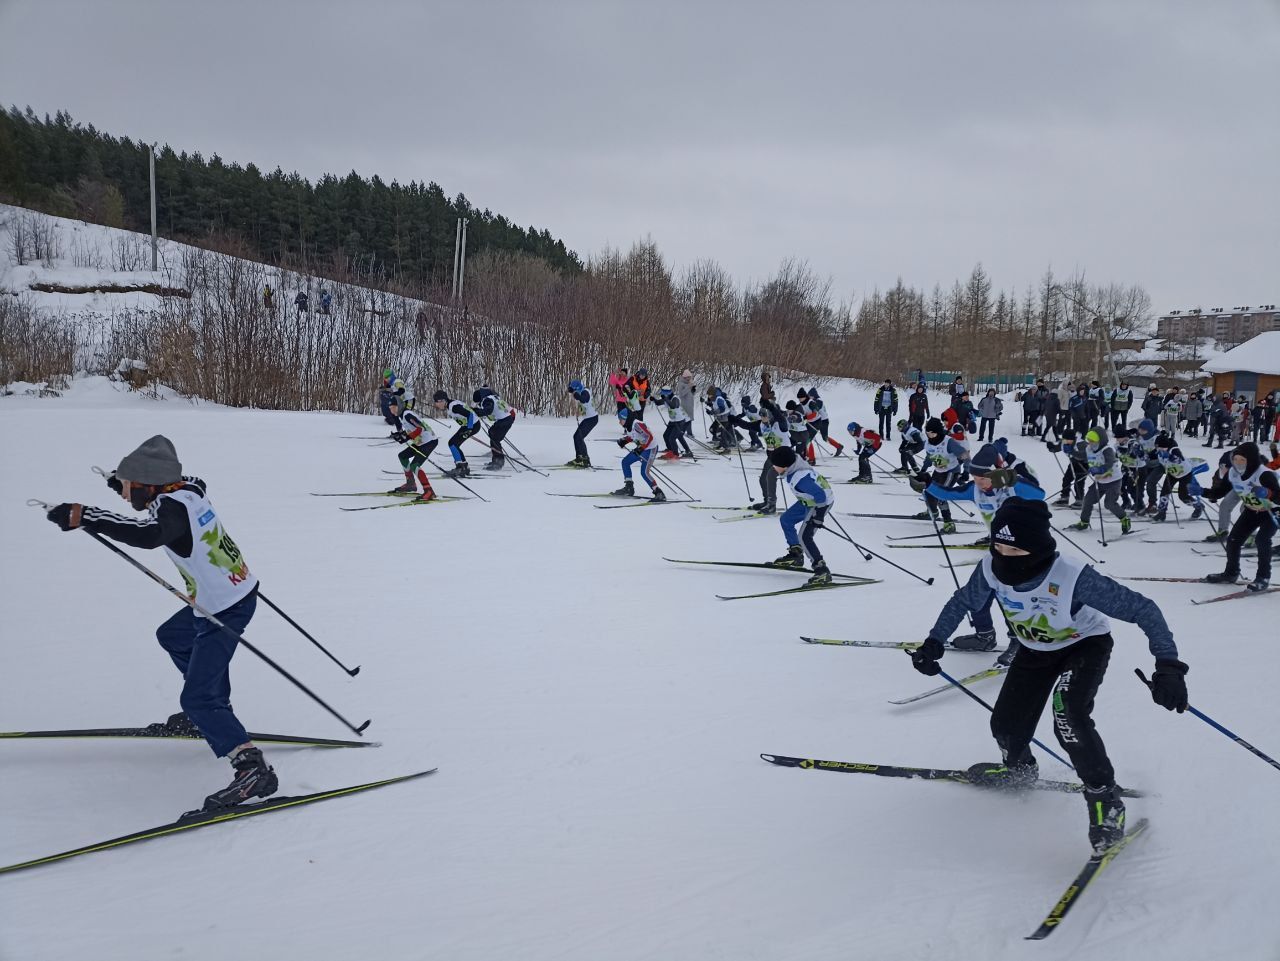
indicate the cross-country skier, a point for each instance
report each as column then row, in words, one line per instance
column 420, row 440
column 1106, row 474
column 588, row 418
column 182, row 521
column 799, row 432
column 722, row 416
column 1059, row 608
column 646, row 448
column 1076, row 471
column 775, row 435
column 1259, row 492
column 1180, row 471
column 868, row 443
column 500, row 415
column 750, row 420
column 676, row 431
column 945, row 458
column 468, row 426
column 815, row 414
column 813, row 499
column 910, row 443
column 393, row 390
column 997, row 476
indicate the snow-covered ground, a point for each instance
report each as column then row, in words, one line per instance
column 596, row 715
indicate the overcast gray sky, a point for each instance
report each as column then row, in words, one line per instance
column 1137, row 140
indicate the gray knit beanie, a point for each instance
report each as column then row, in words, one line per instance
column 154, row 462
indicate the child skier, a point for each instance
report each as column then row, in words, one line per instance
column 182, row 521
column 1181, row 471
column 420, row 440
column 1259, row 492
column 868, row 443
column 501, row 416
column 1107, row 475
column 1077, row 469
column 815, row 414
column 1066, row 644
column 468, row 426
column 588, row 418
column 910, row 443
column 945, row 460
column 775, row 436
column 676, row 431
column 646, row 445
column 813, row 499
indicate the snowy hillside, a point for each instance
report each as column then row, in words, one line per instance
column 596, row 715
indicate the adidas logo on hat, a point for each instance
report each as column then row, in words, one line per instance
column 1004, row 534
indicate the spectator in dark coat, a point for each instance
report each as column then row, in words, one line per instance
column 886, row 407
column 1052, row 416
column 918, row 406
column 1152, row 403
column 1032, row 408
column 1082, row 410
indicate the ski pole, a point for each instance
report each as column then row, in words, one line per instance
column 1097, row 503
column 1036, row 741
column 1218, row 727
column 359, row 731
column 654, row 470
column 299, row 628
column 867, row 553
column 743, row 465
column 1066, row 538
column 445, row 473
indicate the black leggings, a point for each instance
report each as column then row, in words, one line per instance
column 1264, row 523
column 768, row 483
column 497, row 432
column 1072, row 675
column 459, row 438
column 585, row 427
column 413, row 456
column 1074, row 475
column 674, row 434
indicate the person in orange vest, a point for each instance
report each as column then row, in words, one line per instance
column 640, row 385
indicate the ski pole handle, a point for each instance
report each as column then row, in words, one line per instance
column 1217, row 727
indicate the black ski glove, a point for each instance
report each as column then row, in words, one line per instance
column 66, row 516
column 400, row 437
column 115, row 483
column 918, row 485
column 1168, row 687
column 622, row 441
column 925, row 657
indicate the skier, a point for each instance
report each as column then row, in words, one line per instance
column 393, row 391
column 420, row 440
column 885, row 406
column 813, row 499
column 183, row 522
column 798, row 432
column 646, row 444
column 1066, row 644
column 1181, row 471
column 910, row 443
column 868, row 443
column 816, row 416
column 468, row 426
column 997, row 477
column 588, row 418
column 1143, row 446
column 775, row 435
column 677, row 425
column 500, row 415
column 1107, row 473
column 1077, row 469
column 750, row 420
column 944, row 463
column 1259, row 492
column 721, row 411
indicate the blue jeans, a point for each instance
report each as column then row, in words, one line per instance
column 202, row 652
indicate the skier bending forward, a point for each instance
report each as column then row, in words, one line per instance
column 184, row 523
column 1059, row 608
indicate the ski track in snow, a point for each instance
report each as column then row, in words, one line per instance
column 596, row 715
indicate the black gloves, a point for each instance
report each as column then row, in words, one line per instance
column 622, row 441
column 1002, row 477
column 400, row 437
column 925, row 657
column 1168, row 685
column 918, row 484
column 67, row 517
column 115, row 483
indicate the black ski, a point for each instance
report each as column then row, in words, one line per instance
column 644, row 502
column 924, row 774
column 898, row 517
column 764, row 566
column 200, row 819
column 1093, row 867
column 157, row 733
column 795, row 590
column 892, row 645
column 1235, row 596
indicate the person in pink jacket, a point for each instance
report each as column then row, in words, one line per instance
column 617, row 381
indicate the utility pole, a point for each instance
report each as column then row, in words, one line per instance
column 462, row 260
column 154, row 245
column 457, row 246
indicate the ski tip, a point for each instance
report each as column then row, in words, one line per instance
column 769, row 757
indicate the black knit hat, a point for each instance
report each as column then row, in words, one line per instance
column 1024, row 524
column 783, row 457
column 985, row 460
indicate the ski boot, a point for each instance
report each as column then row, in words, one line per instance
column 1006, row 656
column 670, row 455
column 922, row 516
column 254, row 778
column 576, row 462
column 1062, row 501
column 948, row 527
column 1258, row 585
column 408, row 487
column 821, row 575
column 460, row 469
column 792, row 559
column 1004, row 776
column 1160, row 516
column 978, row 641
column 1078, row 526
column 495, row 464
column 769, row 507
column 901, row 470
column 1126, row 526
column 428, row 492
column 177, row 725
column 1216, row 537
column 1195, row 514
column 1224, row 577
column 1106, row 816
column 658, row 495
column 628, row 489
column 687, row 455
